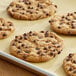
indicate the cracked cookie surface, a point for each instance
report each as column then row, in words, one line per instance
column 65, row 24
column 70, row 64
column 31, row 9
column 6, row 28
column 36, row 46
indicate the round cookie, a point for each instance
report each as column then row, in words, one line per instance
column 36, row 46
column 65, row 24
column 6, row 28
column 31, row 9
column 69, row 64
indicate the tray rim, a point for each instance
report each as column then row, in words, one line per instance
column 25, row 63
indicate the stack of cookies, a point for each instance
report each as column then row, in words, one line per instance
column 40, row 46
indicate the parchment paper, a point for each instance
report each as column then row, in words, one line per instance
column 55, row 65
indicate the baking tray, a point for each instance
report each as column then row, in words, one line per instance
column 47, row 68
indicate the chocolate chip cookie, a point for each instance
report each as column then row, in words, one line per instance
column 6, row 28
column 36, row 46
column 70, row 64
column 65, row 24
column 31, row 9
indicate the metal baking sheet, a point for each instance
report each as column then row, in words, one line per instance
column 55, row 65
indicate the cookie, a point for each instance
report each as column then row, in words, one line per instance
column 64, row 24
column 31, row 9
column 69, row 64
column 6, row 28
column 36, row 46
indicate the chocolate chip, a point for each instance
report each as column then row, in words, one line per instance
column 18, row 47
column 58, row 46
column 3, row 24
column 42, row 54
column 74, row 61
column 18, row 51
column 56, row 6
column 20, row 38
column 61, row 23
column 70, row 69
column 74, row 12
column 70, row 55
column 10, row 24
column 42, row 31
column 63, row 16
column 22, row 45
column 25, row 34
column 25, row 37
column 0, row 29
column 22, row 13
column 68, row 59
column 51, row 54
column 15, row 40
column 44, row 48
column 47, row 41
column 13, row 44
column 74, row 71
column 16, row 36
column 27, row 51
column 47, row 14
column 46, row 34
column 37, row 48
column 13, row 10
column 51, row 36
column 19, row 41
column 49, row 21
column 49, row 47
column 4, row 34
column 38, row 52
column 59, row 27
column 59, row 52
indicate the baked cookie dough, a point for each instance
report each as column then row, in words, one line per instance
column 6, row 28
column 31, row 9
column 65, row 24
column 70, row 64
column 36, row 46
